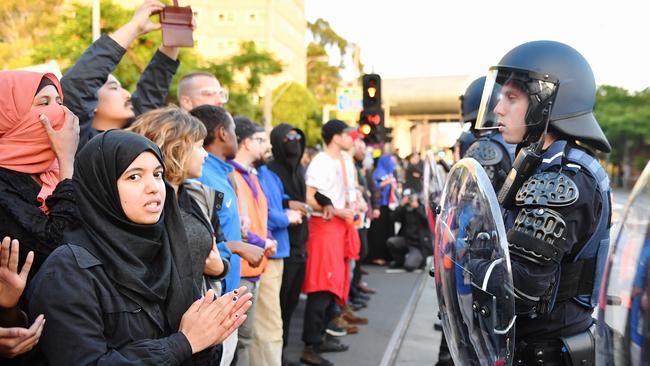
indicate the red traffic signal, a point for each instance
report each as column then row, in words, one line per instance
column 375, row 119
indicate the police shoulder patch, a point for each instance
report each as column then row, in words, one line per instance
column 485, row 151
column 551, row 189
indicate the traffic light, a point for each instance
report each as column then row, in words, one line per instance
column 371, row 126
column 371, row 119
column 371, row 93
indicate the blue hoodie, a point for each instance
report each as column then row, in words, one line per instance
column 278, row 220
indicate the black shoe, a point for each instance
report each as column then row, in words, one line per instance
column 357, row 305
column 311, row 356
column 394, row 265
column 331, row 344
column 361, row 296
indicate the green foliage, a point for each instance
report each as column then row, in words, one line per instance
column 326, row 36
column 322, row 78
column 255, row 64
column 294, row 104
column 23, row 24
column 625, row 120
column 71, row 36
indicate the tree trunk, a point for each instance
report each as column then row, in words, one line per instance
column 627, row 165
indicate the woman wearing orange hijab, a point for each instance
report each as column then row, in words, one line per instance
column 38, row 141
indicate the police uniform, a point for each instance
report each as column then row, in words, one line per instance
column 556, row 201
column 551, row 301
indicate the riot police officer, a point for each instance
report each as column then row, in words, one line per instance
column 488, row 146
column 556, row 198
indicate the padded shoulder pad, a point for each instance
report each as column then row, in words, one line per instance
column 485, row 151
column 538, row 234
column 551, row 189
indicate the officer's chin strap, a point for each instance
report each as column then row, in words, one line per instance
column 527, row 160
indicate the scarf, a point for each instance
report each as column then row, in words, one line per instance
column 147, row 263
column 24, row 144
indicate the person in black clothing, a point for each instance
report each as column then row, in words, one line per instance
column 409, row 248
column 121, row 290
column 36, row 194
column 414, row 169
column 97, row 97
column 287, row 154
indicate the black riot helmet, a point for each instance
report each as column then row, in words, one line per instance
column 470, row 102
column 560, row 87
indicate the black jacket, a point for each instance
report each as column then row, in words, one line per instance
column 81, row 82
column 291, row 175
column 90, row 322
column 415, row 227
column 21, row 217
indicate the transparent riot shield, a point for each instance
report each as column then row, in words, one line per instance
column 472, row 269
column 623, row 336
column 433, row 183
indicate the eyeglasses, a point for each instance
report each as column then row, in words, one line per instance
column 212, row 91
column 261, row 140
column 293, row 136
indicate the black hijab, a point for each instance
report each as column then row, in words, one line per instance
column 148, row 263
column 287, row 165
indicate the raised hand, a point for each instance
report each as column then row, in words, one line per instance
column 12, row 283
column 64, row 141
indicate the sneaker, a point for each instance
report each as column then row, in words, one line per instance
column 311, row 356
column 353, row 318
column 334, row 330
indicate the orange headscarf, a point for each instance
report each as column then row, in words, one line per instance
column 24, row 144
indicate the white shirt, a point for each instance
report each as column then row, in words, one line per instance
column 326, row 175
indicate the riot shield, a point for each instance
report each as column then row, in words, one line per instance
column 623, row 336
column 433, row 182
column 472, row 269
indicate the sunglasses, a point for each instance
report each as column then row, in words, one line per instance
column 293, row 136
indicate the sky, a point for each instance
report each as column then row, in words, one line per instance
column 410, row 38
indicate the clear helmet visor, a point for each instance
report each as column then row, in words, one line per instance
column 515, row 98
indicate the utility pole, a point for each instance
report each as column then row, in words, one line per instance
column 96, row 16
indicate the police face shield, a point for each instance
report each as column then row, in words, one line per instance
column 623, row 336
column 515, row 98
column 472, row 269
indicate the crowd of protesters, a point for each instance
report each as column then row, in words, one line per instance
column 137, row 232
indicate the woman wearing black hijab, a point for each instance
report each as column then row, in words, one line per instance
column 121, row 290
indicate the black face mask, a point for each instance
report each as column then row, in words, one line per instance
column 292, row 148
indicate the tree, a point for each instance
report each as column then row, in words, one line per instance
column 24, row 24
column 625, row 120
column 73, row 34
column 294, row 104
column 66, row 41
column 324, row 35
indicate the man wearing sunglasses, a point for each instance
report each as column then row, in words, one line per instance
column 200, row 88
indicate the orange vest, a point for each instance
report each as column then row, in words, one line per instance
column 257, row 211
